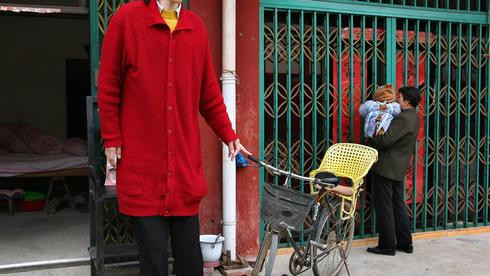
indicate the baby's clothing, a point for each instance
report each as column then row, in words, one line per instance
column 377, row 121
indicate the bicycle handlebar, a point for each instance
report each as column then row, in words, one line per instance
column 255, row 159
column 329, row 182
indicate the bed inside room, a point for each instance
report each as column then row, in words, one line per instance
column 44, row 79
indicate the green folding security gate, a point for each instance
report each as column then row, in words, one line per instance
column 321, row 59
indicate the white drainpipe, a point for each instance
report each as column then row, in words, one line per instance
column 229, row 79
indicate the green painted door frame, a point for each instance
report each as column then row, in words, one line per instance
column 295, row 38
column 391, row 51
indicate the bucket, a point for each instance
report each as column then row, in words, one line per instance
column 31, row 202
column 211, row 246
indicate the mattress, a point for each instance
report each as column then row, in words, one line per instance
column 20, row 163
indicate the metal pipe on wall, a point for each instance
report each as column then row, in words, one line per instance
column 228, row 82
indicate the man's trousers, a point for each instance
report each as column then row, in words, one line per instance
column 391, row 213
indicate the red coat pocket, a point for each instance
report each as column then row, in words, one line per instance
column 130, row 179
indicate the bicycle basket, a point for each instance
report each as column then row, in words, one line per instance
column 285, row 205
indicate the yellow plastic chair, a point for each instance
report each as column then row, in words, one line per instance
column 348, row 160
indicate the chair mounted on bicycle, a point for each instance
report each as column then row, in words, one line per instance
column 331, row 224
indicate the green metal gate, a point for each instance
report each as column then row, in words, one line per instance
column 321, row 59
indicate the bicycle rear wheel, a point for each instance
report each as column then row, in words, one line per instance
column 336, row 235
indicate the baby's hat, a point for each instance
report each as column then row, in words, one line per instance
column 385, row 93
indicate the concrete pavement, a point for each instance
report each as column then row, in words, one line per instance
column 459, row 255
column 455, row 255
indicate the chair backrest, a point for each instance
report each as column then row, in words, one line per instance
column 349, row 160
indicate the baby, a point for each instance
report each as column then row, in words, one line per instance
column 379, row 112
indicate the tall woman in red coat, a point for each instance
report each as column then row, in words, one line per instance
column 156, row 75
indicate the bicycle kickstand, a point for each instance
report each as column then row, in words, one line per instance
column 272, row 252
column 344, row 259
column 264, row 246
column 270, row 243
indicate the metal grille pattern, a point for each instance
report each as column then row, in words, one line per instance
column 106, row 9
column 468, row 5
column 318, row 67
column 117, row 227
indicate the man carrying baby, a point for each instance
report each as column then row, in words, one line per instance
column 395, row 147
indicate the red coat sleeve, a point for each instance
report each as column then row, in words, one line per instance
column 211, row 105
column 110, row 83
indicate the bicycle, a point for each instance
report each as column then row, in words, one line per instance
column 331, row 211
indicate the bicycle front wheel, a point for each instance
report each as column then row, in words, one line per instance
column 336, row 235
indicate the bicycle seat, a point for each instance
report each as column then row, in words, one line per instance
column 327, row 177
column 333, row 179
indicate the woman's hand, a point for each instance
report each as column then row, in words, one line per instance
column 234, row 148
column 112, row 154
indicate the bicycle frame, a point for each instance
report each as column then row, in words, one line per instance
column 274, row 231
column 302, row 254
column 347, row 160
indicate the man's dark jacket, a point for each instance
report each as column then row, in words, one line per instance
column 396, row 145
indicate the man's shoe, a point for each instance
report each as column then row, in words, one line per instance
column 382, row 251
column 407, row 249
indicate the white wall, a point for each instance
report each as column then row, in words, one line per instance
column 33, row 51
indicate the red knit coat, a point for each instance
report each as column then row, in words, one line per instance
column 152, row 84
